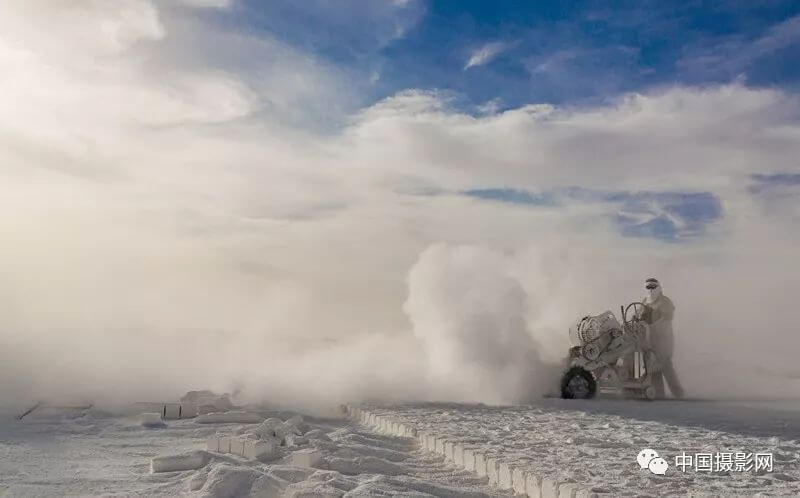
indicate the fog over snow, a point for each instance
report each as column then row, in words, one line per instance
column 187, row 205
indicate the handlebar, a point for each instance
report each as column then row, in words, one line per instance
column 625, row 312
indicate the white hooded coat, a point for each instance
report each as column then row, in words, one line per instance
column 662, row 339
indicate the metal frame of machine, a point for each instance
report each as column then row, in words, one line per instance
column 609, row 357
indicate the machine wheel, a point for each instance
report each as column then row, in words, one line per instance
column 578, row 383
column 591, row 351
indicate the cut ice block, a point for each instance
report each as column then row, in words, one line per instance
column 480, row 464
column 212, row 444
column 504, row 476
column 171, row 411
column 224, row 444
column 431, row 443
column 174, row 463
column 458, row 454
column 255, row 449
column 306, row 458
column 567, row 490
column 469, row 460
column 518, row 481
column 492, row 470
column 237, row 446
column 533, row 485
column 549, row 488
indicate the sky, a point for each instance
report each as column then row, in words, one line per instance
column 529, row 52
column 269, row 196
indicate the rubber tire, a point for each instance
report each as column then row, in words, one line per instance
column 570, row 374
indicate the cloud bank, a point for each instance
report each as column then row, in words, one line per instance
column 175, row 217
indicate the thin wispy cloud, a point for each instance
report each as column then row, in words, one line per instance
column 485, row 54
column 737, row 55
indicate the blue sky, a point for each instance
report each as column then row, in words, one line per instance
column 492, row 56
column 641, row 96
column 555, row 52
column 666, row 216
column 487, row 57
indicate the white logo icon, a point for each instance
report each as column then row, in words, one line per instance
column 658, row 466
column 649, row 459
column 645, row 456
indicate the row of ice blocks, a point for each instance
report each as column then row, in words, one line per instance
column 254, row 449
column 502, row 474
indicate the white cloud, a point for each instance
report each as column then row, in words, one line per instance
column 156, row 208
column 491, row 106
column 217, row 4
column 485, row 54
column 80, row 29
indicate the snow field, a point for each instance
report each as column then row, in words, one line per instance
column 230, row 417
column 93, row 452
column 152, row 420
column 552, row 448
column 585, row 448
column 505, row 475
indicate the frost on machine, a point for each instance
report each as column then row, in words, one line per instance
column 610, row 357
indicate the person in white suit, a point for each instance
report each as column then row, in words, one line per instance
column 658, row 313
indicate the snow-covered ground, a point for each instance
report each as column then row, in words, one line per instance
column 594, row 443
column 93, row 453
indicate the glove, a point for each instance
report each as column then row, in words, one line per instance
column 647, row 314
